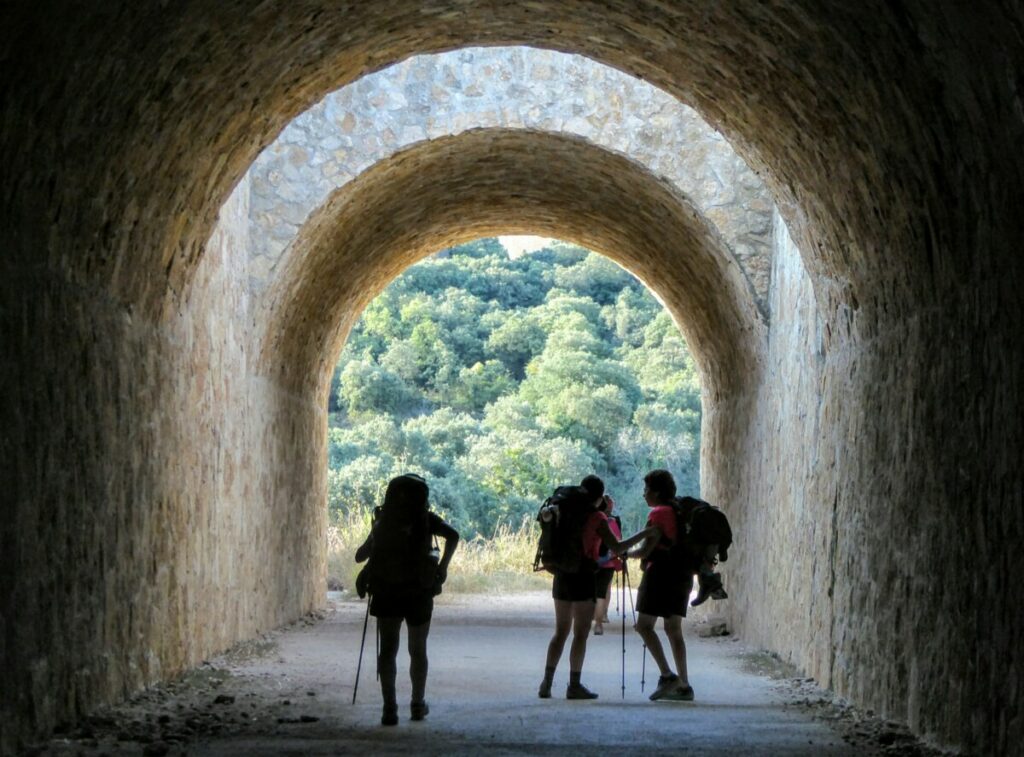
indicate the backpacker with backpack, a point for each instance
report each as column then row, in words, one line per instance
column 401, row 556
column 561, row 518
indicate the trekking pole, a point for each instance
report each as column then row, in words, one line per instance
column 623, row 616
column 378, row 649
column 643, row 664
column 362, row 646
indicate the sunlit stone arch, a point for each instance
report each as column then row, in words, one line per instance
column 487, row 182
column 431, row 96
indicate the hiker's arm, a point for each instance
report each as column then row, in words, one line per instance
column 612, row 542
column 451, row 541
column 638, row 537
column 364, row 549
column 650, row 537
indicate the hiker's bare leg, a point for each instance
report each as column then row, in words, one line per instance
column 645, row 627
column 390, row 631
column 418, row 659
column 674, row 631
column 601, row 610
column 563, row 624
column 582, row 615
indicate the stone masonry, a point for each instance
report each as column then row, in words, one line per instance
column 432, row 96
column 164, row 457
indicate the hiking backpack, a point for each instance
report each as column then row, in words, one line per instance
column 561, row 518
column 395, row 562
column 698, row 524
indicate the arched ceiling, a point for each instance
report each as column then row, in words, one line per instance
column 497, row 181
column 430, row 96
column 864, row 127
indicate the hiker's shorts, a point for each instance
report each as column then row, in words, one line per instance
column 574, row 587
column 602, row 580
column 663, row 591
column 413, row 607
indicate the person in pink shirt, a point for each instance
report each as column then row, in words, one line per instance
column 664, row 589
column 607, row 563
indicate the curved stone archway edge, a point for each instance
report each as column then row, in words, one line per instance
column 487, row 182
column 431, row 96
column 849, row 197
column 161, row 502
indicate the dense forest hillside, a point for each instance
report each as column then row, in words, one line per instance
column 499, row 377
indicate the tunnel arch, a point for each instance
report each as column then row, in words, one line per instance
column 486, row 182
column 430, row 96
column 148, row 255
column 888, row 135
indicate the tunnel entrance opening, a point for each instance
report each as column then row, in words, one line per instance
column 498, row 377
column 373, row 121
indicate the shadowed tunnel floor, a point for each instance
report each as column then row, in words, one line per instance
column 291, row 693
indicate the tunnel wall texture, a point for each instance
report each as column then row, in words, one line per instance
column 432, row 96
column 855, row 559
column 890, row 134
column 162, row 501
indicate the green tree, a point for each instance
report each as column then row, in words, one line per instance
column 447, row 431
column 596, row 278
column 501, row 378
column 520, row 468
column 359, row 484
column 629, row 316
column 366, row 388
column 567, row 312
column 509, row 413
column 516, row 342
column 479, row 385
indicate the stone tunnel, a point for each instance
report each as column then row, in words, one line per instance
column 858, row 336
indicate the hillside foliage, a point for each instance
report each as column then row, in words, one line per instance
column 498, row 378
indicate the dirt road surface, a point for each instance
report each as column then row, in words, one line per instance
column 291, row 693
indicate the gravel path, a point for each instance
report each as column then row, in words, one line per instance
column 291, row 693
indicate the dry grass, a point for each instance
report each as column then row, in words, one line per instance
column 500, row 564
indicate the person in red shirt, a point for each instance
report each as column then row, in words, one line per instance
column 575, row 593
column 664, row 588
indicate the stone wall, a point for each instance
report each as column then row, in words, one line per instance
column 889, row 135
column 434, row 194
column 163, row 519
column 431, row 96
column 848, row 561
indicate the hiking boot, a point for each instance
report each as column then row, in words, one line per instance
column 680, row 693
column 579, row 691
column 544, row 692
column 666, row 685
column 389, row 716
column 418, row 710
column 710, row 585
